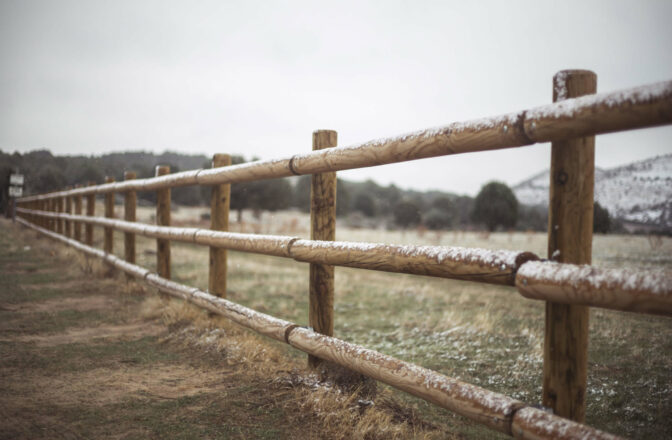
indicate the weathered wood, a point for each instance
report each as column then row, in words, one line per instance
column 130, row 202
column 163, row 219
column 533, row 424
column 643, row 291
column 68, row 210
column 492, row 409
column 78, row 211
column 638, row 107
column 108, row 245
column 90, row 211
column 219, row 221
column 322, row 227
column 495, row 410
column 469, row 264
column 570, row 232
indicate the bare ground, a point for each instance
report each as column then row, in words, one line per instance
column 88, row 357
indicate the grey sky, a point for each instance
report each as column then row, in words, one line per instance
column 256, row 78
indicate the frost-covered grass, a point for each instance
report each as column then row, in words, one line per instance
column 486, row 335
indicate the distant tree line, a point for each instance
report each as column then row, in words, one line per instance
column 366, row 203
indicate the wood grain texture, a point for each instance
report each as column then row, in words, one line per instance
column 492, row 409
column 570, row 238
column 533, row 424
column 220, row 199
column 492, row 267
column 90, row 211
column 641, row 291
column 628, row 109
column 108, row 243
column 322, row 227
column 163, row 219
column 130, row 203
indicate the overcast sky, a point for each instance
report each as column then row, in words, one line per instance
column 257, row 77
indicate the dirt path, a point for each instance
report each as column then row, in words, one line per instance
column 79, row 360
column 86, row 354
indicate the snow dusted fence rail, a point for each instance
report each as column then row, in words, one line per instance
column 570, row 123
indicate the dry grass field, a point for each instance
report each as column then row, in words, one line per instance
column 482, row 334
column 86, row 353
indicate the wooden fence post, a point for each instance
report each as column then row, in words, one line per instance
column 78, row 211
column 90, row 212
column 54, row 208
column 108, row 244
column 570, row 235
column 322, row 227
column 163, row 219
column 48, row 207
column 38, row 218
column 59, row 221
column 130, row 201
column 219, row 221
column 47, row 220
column 68, row 210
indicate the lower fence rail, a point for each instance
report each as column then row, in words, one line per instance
column 492, row 409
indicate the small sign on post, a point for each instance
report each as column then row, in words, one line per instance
column 16, row 179
column 15, row 190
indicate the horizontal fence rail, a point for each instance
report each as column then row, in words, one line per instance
column 642, row 291
column 567, row 286
column 638, row 107
column 470, row 264
column 494, row 410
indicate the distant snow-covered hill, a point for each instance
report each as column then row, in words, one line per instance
column 638, row 192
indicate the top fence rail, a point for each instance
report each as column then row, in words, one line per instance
column 639, row 107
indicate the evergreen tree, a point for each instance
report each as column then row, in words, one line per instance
column 495, row 206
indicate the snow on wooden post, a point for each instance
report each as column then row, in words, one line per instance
column 570, row 235
column 219, row 221
column 108, row 244
column 130, row 201
column 90, row 211
column 68, row 210
column 163, row 219
column 78, row 211
column 322, row 227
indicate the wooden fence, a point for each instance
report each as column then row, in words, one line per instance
column 566, row 282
